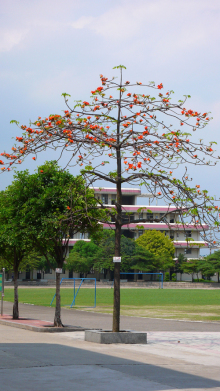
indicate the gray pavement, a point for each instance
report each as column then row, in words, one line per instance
column 178, row 355
column 104, row 321
column 64, row 361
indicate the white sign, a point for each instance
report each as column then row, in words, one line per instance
column 116, row 259
column 58, row 270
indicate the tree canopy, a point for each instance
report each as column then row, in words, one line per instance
column 159, row 245
column 98, row 254
column 51, row 206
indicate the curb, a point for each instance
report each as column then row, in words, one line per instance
column 45, row 329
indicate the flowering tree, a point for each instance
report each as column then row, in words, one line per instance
column 144, row 137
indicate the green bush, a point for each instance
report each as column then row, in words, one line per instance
column 174, row 277
column 167, row 276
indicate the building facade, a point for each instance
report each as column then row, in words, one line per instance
column 186, row 238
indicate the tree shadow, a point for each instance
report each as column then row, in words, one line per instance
column 41, row 366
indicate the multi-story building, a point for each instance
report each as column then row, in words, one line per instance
column 186, row 238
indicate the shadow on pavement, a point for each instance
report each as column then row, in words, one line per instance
column 55, row 367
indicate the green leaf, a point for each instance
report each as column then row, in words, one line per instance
column 13, row 121
column 119, row 66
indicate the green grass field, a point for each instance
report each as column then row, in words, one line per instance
column 193, row 304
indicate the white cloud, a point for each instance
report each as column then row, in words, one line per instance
column 157, row 24
column 11, row 38
column 82, row 22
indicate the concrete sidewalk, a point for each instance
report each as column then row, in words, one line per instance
column 64, row 361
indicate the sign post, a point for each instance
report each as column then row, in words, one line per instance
column 2, row 284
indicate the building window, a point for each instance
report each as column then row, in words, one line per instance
column 140, row 232
column 150, row 217
column 188, row 251
column 171, row 235
column 104, row 198
column 113, row 199
column 188, row 234
column 48, row 271
column 141, row 216
column 82, row 235
column 171, row 221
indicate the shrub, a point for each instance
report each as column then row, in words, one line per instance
column 174, row 277
column 167, row 276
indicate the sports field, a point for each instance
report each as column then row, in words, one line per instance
column 190, row 304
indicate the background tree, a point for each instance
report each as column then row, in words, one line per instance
column 15, row 243
column 191, row 267
column 179, row 264
column 82, row 257
column 98, row 254
column 143, row 260
column 145, row 138
column 159, row 245
column 78, row 263
column 106, row 243
column 214, row 260
column 206, row 268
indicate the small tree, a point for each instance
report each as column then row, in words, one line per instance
column 133, row 128
column 55, row 205
column 15, row 243
column 160, row 246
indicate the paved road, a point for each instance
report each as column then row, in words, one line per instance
column 104, row 321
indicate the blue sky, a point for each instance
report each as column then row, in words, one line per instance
column 50, row 47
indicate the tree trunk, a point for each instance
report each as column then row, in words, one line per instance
column 15, row 305
column 116, row 307
column 57, row 317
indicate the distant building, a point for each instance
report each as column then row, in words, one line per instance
column 186, row 238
